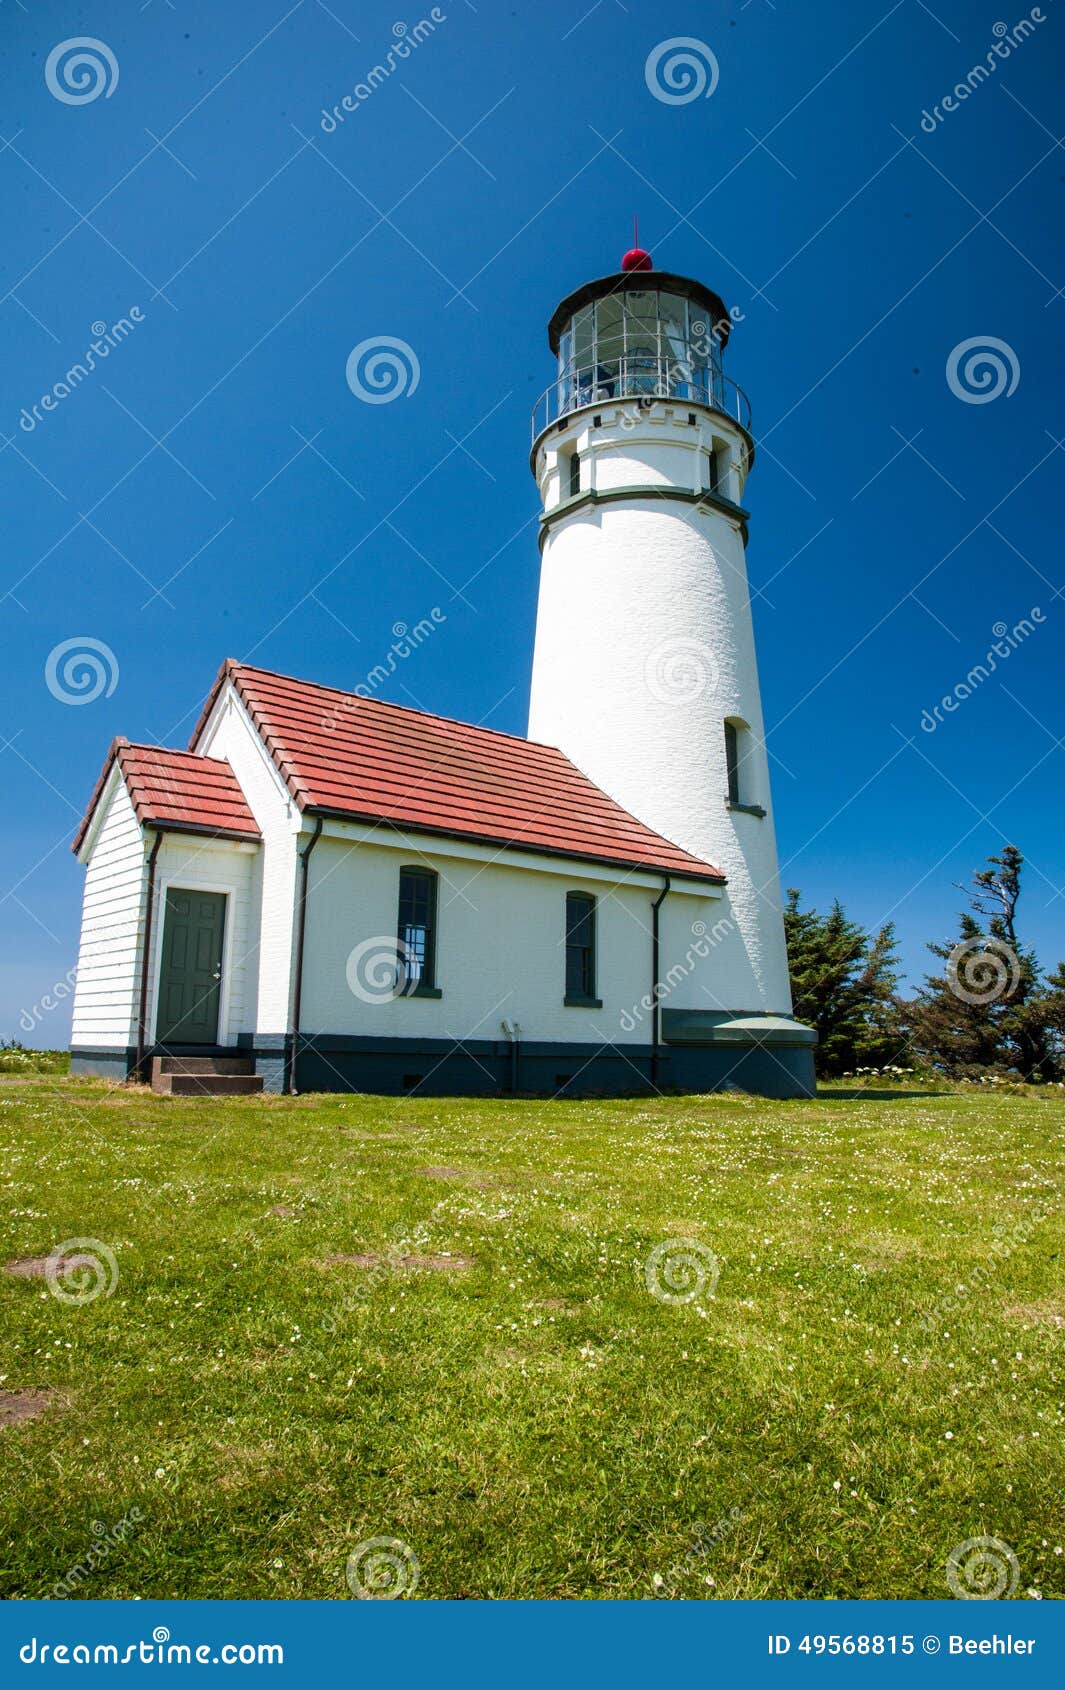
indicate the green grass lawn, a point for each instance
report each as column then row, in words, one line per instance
column 516, row 1405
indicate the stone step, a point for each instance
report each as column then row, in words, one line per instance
column 208, row 1085
column 203, row 1065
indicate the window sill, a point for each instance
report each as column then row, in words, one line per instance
column 422, row 992
column 582, row 1003
column 745, row 809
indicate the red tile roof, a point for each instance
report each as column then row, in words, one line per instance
column 360, row 757
column 177, row 790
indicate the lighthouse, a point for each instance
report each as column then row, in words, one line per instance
column 644, row 670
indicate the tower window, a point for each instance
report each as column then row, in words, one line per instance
column 737, row 749
column 580, row 950
column 417, row 932
column 732, row 762
column 714, row 471
column 574, row 473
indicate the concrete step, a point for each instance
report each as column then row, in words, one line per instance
column 203, row 1065
column 208, row 1085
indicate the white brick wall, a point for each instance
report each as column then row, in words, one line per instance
column 500, row 948
column 644, row 646
column 229, row 733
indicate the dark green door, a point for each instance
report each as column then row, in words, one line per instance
column 190, row 981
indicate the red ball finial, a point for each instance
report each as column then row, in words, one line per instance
column 636, row 258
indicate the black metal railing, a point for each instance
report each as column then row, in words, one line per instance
column 640, row 378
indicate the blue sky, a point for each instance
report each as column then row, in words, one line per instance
column 214, row 488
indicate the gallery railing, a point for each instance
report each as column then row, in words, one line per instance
column 644, row 379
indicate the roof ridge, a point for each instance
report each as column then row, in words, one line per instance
column 168, row 750
column 407, row 709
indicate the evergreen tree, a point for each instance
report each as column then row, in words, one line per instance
column 1023, row 1025
column 956, row 1032
column 1053, row 1007
column 989, row 1010
column 843, row 983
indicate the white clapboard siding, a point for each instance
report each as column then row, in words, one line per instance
column 108, row 984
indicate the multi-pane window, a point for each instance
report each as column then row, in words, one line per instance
column 640, row 342
column 574, row 474
column 417, row 928
column 580, row 947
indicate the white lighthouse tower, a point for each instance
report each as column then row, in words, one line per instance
column 644, row 671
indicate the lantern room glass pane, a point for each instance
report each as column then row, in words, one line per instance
column 636, row 343
column 609, row 344
column 566, row 391
column 643, row 371
column 583, row 335
column 676, row 354
column 641, row 324
column 581, row 346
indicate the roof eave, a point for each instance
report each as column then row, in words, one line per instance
column 396, row 826
column 118, row 744
column 229, row 666
column 164, row 825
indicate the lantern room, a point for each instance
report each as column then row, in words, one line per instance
column 641, row 334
